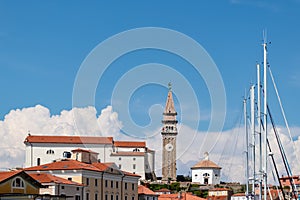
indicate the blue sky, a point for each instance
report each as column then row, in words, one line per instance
column 44, row 43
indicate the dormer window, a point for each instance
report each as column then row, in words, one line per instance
column 18, row 183
column 50, row 151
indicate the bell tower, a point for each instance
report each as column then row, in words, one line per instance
column 169, row 133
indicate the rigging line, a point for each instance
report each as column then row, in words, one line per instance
column 272, row 172
column 217, row 140
column 283, row 155
column 273, row 160
column 283, row 112
column 275, row 168
column 225, row 146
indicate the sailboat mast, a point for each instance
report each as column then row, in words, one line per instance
column 247, row 148
column 252, row 103
column 259, row 130
column 265, row 120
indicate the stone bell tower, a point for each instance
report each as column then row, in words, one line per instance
column 169, row 133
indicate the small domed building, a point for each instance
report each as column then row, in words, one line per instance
column 206, row 172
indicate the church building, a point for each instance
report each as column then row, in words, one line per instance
column 206, row 172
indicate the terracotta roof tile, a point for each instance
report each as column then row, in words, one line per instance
column 144, row 190
column 64, row 165
column 183, row 196
column 130, row 174
column 84, row 150
column 220, row 189
column 48, row 178
column 163, row 190
column 68, row 139
column 206, row 164
column 128, row 154
column 101, row 166
column 8, row 174
column 136, row 144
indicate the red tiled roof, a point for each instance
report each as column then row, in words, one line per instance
column 144, row 190
column 239, row 195
column 68, row 139
column 219, row 189
column 183, row 196
column 163, row 190
column 101, row 166
column 130, row 174
column 135, row 144
column 48, row 178
column 6, row 175
column 84, row 150
column 128, row 154
column 206, row 164
column 64, row 165
column 285, row 180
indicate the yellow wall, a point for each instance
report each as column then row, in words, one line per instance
column 6, row 187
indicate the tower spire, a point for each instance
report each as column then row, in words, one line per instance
column 169, row 133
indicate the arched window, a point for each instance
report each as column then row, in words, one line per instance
column 38, row 161
column 18, row 183
column 206, row 175
column 50, row 151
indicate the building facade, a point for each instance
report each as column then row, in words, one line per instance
column 169, row 134
column 139, row 159
column 101, row 180
column 206, row 172
column 18, row 182
column 57, row 186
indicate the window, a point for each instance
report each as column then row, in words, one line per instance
column 206, row 174
column 111, row 197
column 87, row 181
column 133, row 158
column 132, row 187
column 77, row 197
column 117, row 184
column 120, row 158
column 50, row 151
column 62, row 187
column 132, row 198
column 77, row 188
column 106, row 197
column 70, row 178
column 133, row 166
column 112, row 184
column 18, row 183
column 96, row 196
column 117, row 197
column 125, row 186
column 96, row 182
column 106, row 183
column 38, row 161
column 87, row 196
column 125, row 197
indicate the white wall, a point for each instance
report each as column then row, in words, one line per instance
column 214, row 176
column 38, row 150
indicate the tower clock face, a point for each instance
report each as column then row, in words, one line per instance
column 169, row 147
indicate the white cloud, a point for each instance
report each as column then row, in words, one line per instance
column 38, row 121
column 226, row 148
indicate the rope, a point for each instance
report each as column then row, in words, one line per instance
column 283, row 113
